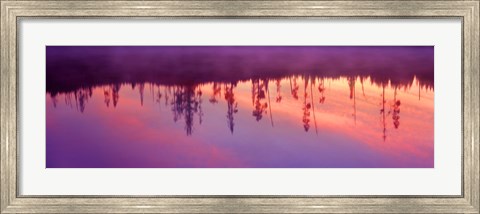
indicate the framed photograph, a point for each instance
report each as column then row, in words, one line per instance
column 239, row 106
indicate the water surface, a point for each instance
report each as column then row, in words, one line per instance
column 249, row 107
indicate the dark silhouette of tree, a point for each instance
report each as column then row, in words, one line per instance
column 321, row 89
column 167, row 92
column 68, row 100
column 115, row 94
column 351, row 85
column 199, row 105
column 295, row 88
column 313, row 105
column 269, row 104
column 306, row 109
column 254, row 90
column 54, row 100
column 82, row 96
column 382, row 113
column 278, row 99
column 141, row 89
column 231, row 105
column 362, row 78
column 216, row 92
column 158, row 96
column 419, row 86
column 258, row 94
column 396, row 110
column 177, row 104
column 186, row 104
column 90, row 91
column 106, row 94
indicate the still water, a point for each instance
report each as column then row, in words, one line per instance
column 248, row 107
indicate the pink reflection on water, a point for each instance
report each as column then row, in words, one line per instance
column 294, row 121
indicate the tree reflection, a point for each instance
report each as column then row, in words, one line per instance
column 396, row 110
column 141, row 89
column 158, row 96
column 258, row 95
column 313, row 105
column 351, row 85
column 82, row 97
column 186, row 103
column 278, row 98
column 306, row 108
column 185, row 100
column 382, row 113
column 321, row 90
column 54, row 100
column 106, row 94
column 115, row 94
column 232, row 105
column 294, row 88
column 216, row 92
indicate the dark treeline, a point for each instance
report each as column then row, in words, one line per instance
column 74, row 67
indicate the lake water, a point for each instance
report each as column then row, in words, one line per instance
column 240, row 107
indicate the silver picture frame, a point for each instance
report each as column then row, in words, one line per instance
column 12, row 11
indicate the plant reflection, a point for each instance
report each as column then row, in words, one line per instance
column 185, row 101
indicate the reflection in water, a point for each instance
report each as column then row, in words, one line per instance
column 232, row 105
column 226, row 108
column 186, row 103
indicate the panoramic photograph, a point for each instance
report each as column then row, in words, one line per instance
column 239, row 107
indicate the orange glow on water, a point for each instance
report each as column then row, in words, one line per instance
column 391, row 123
